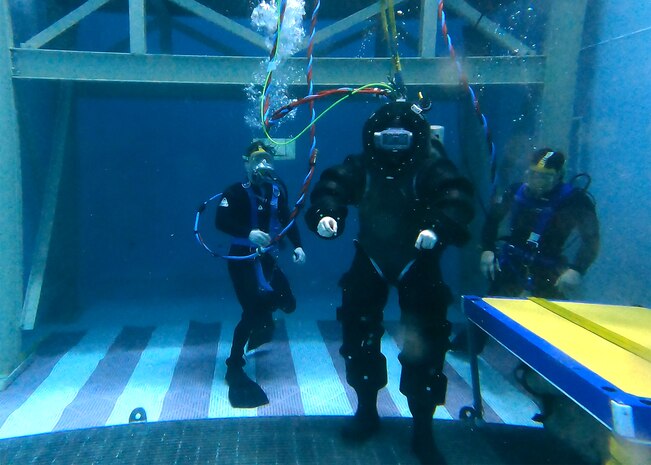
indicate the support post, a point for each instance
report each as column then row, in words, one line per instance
column 428, row 28
column 137, row 32
column 11, row 209
column 562, row 49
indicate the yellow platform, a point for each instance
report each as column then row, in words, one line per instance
column 629, row 371
column 599, row 355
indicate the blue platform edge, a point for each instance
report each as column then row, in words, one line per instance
column 590, row 391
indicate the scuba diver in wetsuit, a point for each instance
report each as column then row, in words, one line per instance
column 254, row 212
column 544, row 211
column 412, row 204
column 537, row 219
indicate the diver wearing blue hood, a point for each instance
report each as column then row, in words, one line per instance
column 412, row 204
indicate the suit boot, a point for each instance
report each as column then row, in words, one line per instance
column 366, row 421
column 243, row 392
column 423, row 444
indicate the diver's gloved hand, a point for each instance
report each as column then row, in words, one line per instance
column 488, row 265
column 259, row 238
column 327, row 227
column 568, row 281
column 299, row 255
column 426, row 240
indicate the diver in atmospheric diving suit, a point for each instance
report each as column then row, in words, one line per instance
column 412, row 204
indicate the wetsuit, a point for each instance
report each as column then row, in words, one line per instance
column 531, row 250
column 260, row 285
column 396, row 202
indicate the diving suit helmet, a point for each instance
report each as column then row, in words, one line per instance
column 395, row 136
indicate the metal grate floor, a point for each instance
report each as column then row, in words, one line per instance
column 280, row 440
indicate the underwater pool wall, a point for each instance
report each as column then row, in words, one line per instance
column 614, row 107
column 130, row 209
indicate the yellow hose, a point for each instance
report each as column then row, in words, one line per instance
column 394, row 35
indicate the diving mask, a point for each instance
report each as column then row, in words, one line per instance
column 261, row 167
column 540, row 181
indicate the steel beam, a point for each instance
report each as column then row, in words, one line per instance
column 489, row 28
column 48, row 210
column 222, row 21
column 349, row 22
column 124, row 67
column 64, row 23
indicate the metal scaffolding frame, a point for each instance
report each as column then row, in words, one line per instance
column 31, row 61
column 555, row 72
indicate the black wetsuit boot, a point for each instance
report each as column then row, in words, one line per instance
column 423, row 443
column 243, row 392
column 366, row 421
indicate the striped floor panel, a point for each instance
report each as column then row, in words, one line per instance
column 97, row 377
